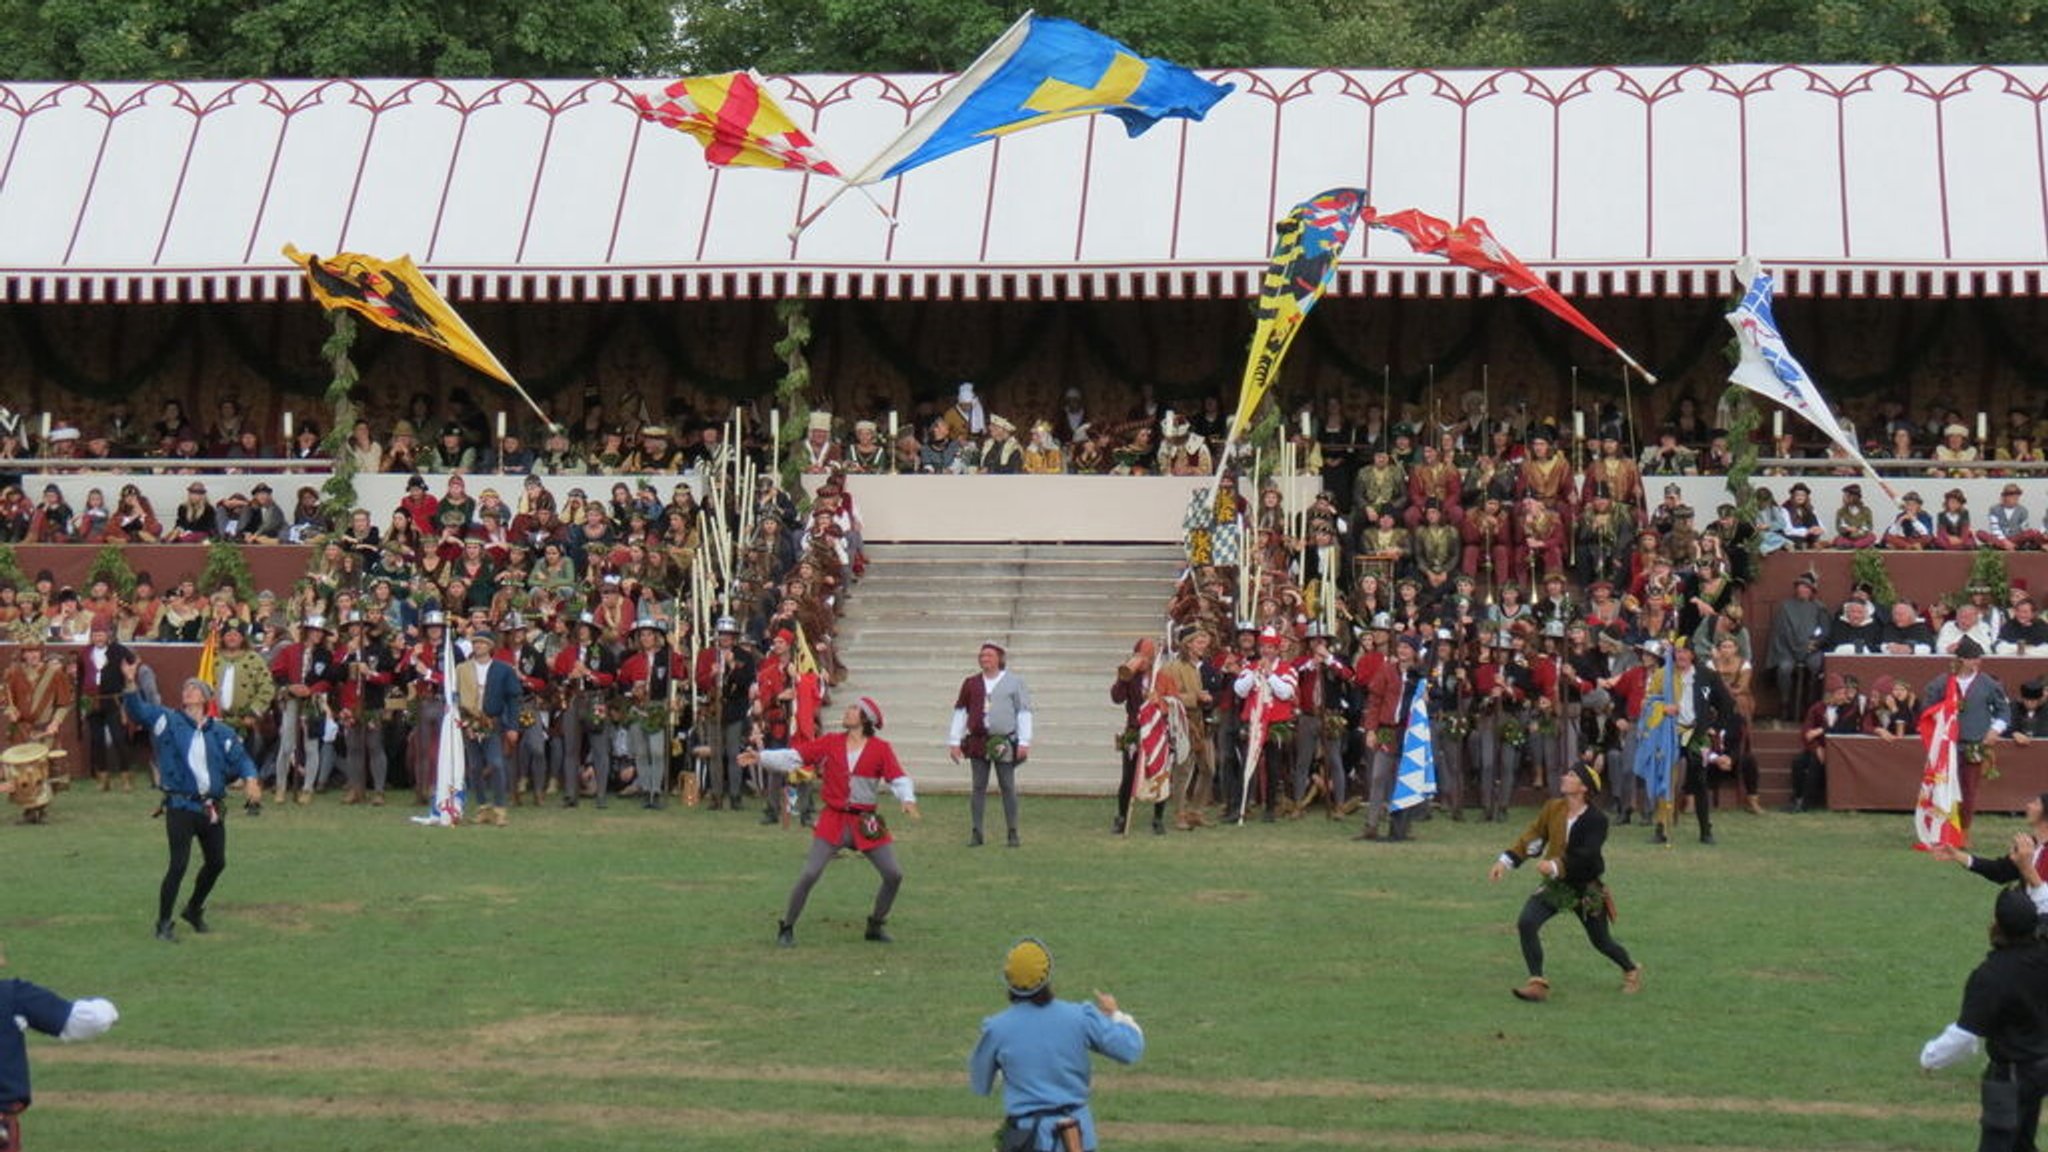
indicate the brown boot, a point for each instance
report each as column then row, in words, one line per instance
column 1536, row 991
column 1753, row 806
column 106, row 782
column 355, row 796
column 498, row 816
column 1632, row 981
column 376, row 800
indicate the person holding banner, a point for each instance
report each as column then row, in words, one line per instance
column 1390, row 696
column 1983, row 714
column 1567, row 840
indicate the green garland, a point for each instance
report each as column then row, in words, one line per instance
column 1987, row 570
column 11, row 574
column 227, row 566
column 111, row 565
column 339, row 493
column 1868, row 569
column 1743, row 421
column 793, row 393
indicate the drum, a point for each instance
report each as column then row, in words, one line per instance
column 25, row 774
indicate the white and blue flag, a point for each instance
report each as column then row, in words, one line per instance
column 1415, row 779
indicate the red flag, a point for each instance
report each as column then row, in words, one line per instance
column 1937, row 815
column 1473, row 245
column 1155, row 762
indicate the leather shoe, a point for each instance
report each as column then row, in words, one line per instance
column 877, row 934
column 167, row 931
column 974, row 839
column 785, row 934
column 1013, row 841
column 196, row 917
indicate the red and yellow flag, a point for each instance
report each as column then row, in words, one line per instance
column 392, row 294
column 738, row 121
column 809, row 687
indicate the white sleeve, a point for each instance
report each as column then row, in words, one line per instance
column 906, row 792
column 1247, row 682
column 1024, row 726
column 1283, row 687
column 957, row 730
column 1952, row 1047
column 781, row 759
column 89, row 1018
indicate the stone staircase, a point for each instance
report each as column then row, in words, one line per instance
column 1067, row 613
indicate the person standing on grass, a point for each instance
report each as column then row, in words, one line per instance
column 992, row 729
column 196, row 756
column 2025, row 864
column 2005, row 1011
column 1566, row 840
column 1040, row 1046
column 24, row 1006
column 852, row 765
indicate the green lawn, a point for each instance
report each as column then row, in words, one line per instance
column 587, row 980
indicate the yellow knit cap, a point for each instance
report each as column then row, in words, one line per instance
column 1028, row 967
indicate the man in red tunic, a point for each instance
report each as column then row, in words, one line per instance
column 852, row 766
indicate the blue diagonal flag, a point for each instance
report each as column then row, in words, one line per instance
column 1415, row 779
column 1657, row 734
column 1040, row 71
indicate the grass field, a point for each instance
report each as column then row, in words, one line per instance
column 587, row 980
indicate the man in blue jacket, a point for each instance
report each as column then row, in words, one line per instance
column 196, row 756
column 487, row 690
column 1041, row 1047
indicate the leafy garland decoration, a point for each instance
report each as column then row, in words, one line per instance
column 792, row 393
column 111, row 565
column 1868, row 570
column 11, row 574
column 338, row 495
column 227, row 566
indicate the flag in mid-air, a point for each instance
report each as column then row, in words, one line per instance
column 1938, row 814
column 1657, row 734
column 1040, row 71
column 1415, row 779
column 450, row 756
column 392, row 294
column 737, row 120
column 1307, row 244
column 1473, row 245
column 1769, row 369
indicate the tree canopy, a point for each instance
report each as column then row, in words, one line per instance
column 193, row 39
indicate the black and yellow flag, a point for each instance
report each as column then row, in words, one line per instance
column 1308, row 242
column 392, row 294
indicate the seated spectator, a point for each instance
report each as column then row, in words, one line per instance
column 941, row 452
column 50, row 523
column 236, row 518
column 402, row 454
column 1952, row 531
column 305, row 443
column 1970, row 623
column 1003, row 456
column 1854, row 632
column 451, row 453
column 309, row 519
column 512, row 456
column 15, row 514
column 93, row 519
column 1956, row 449
column 2025, row 634
column 1802, row 529
column 2007, row 524
column 1905, row 633
column 1853, row 522
column 247, row 446
column 1912, row 528
column 867, row 453
column 362, row 448
column 134, row 519
column 195, row 521
column 1893, row 711
column 2030, row 711
column 173, row 427
column 266, row 519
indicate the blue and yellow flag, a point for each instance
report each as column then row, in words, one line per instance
column 1040, row 71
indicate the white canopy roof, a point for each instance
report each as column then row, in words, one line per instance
column 1885, row 181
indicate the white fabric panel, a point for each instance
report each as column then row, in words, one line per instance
column 1892, row 168
column 399, row 205
column 147, row 142
column 490, row 187
column 1839, row 171
column 1988, row 126
column 314, row 177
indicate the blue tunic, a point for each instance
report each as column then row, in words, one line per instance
column 46, row 1012
column 1042, row 1053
